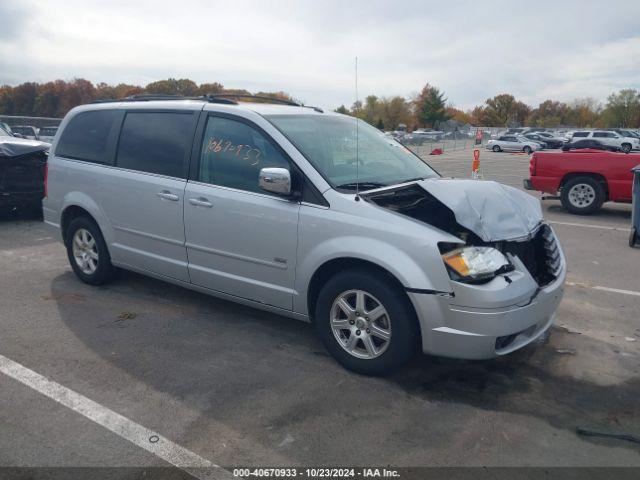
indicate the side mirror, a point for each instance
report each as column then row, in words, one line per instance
column 275, row 180
column 18, row 135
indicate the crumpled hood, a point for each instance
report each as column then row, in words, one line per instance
column 491, row 210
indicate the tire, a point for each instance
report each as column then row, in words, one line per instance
column 626, row 147
column 582, row 195
column 527, row 149
column 496, row 148
column 91, row 250
column 634, row 240
column 398, row 322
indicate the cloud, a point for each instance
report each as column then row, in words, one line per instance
column 471, row 50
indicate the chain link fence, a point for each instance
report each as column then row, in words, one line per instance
column 423, row 143
column 38, row 122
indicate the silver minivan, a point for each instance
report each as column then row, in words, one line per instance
column 309, row 214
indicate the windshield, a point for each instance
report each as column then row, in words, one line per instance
column 49, row 132
column 329, row 143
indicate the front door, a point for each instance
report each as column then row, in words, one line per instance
column 240, row 240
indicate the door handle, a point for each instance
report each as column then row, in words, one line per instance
column 200, row 202
column 167, row 195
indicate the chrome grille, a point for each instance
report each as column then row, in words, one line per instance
column 554, row 259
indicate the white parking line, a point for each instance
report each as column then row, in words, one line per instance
column 144, row 438
column 602, row 227
column 604, row 289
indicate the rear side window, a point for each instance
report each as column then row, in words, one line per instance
column 233, row 153
column 156, row 142
column 86, row 136
column 599, row 134
column 581, row 134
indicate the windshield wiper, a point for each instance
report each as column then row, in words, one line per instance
column 354, row 185
column 412, row 180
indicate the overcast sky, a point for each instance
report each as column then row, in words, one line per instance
column 471, row 50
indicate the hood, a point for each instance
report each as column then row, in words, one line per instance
column 14, row 147
column 489, row 209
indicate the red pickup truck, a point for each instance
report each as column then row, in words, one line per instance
column 585, row 178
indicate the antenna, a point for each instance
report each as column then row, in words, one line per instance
column 357, row 140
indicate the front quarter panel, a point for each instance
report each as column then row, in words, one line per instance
column 405, row 248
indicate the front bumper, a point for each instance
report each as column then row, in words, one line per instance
column 486, row 321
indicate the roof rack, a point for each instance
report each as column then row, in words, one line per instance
column 257, row 97
column 154, row 97
column 225, row 98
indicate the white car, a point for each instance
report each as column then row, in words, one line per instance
column 46, row 134
column 513, row 143
column 626, row 144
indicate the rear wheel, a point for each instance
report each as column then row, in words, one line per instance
column 88, row 253
column 496, row 148
column 582, row 195
column 366, row 323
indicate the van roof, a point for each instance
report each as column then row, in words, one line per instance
column 265, row 105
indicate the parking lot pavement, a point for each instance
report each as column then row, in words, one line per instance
column 240, row 387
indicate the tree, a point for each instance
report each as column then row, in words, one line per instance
column 504, row 111
column 341, row 109
column 584, row 112
column 430, row 107
column 210, row 88
column 622, row 109
column 549, row 114
column 370, row 109
column 394, row 111
column 459, row 116
column 171, row 86
column 380, row 124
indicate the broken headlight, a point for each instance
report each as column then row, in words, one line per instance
column 475, row 264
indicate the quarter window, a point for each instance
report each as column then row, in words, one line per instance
column 233, row 153
column 86, row 136
column 156, row 142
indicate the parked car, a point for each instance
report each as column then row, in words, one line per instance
column 536, row 138
column 585, row 179
column 420, row 137
column 591, row 143
column 625, row 144
column 46, row 134
column 626, row 133
column 22, row 172
column 26, row 131
column 512, row 143
column 551, row 140
column 267, row 206
column 6, row 128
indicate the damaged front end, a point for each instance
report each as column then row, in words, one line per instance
column 506, row 270
column 485, row 216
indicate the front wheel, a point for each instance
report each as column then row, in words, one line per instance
column 582, row 195
column 88, row 253
column 366, row 323
column 527, row 150
column 496, row 148
column 626, row 147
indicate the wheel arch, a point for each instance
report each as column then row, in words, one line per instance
column 77, row 204
column 336, row 265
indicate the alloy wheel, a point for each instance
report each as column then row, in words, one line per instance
column 360, row 324
column 85, row 251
